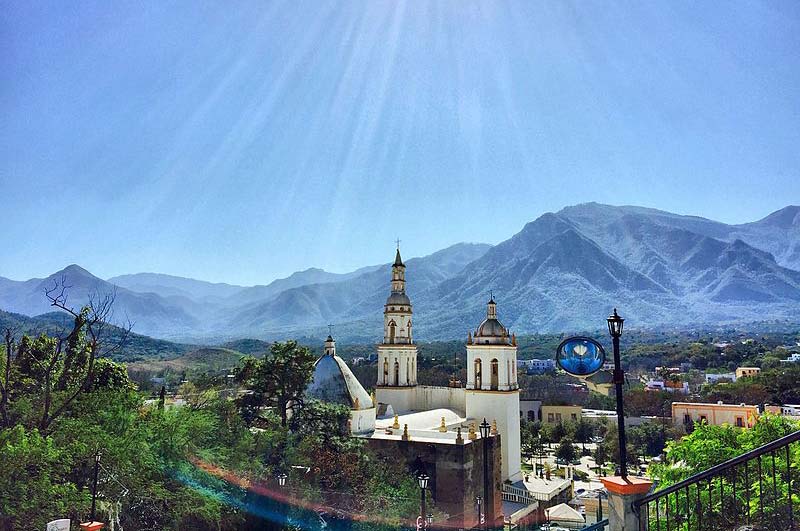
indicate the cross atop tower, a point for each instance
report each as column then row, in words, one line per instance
column 330, row 330
column 397, row 241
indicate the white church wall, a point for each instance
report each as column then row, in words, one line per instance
column 401, row 399
column 362, row 421
column 502, row 407
column 431, row 397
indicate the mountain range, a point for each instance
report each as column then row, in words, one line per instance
column 563, row 271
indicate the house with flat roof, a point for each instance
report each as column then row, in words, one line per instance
column 688, row 413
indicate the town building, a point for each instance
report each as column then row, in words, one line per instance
column 554, row 414
column 688, row 413
column 671, row 386
column 745, row 372
column 537, row 366
column 714, row 378
column 529, row 409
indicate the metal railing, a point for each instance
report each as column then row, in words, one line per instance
column 518, row 495
column 752, row 491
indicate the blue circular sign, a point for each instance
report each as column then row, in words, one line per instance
column 580, row 356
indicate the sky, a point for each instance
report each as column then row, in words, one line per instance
column 239, row 142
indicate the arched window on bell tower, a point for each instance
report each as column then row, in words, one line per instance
column 396, row 372
column 478, row 375
column 495, row 375
column 392, row 329
column 385, row 372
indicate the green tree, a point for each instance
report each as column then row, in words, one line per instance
column 584, row 431
column 277, row 380
column 566, row 451
column 709, row 445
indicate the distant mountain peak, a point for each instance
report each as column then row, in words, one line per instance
column 784, row 218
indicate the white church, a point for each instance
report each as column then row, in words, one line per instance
column 402, row 409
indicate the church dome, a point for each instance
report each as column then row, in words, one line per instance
column 334, row 382
column 399, row 299
column 491, row 330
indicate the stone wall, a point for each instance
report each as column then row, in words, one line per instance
column 456, row 472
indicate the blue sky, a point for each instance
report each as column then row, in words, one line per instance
column 242, row 141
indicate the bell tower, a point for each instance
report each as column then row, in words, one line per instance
column 492, row 391
column 397, row 354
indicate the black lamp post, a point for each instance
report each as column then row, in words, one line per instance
column 94, row 483
column 600, row 496
column 423, row 480
column 615, row 329
column 485, row 428
column 478, row 501
column 284, row 506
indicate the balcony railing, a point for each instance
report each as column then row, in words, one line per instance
column 752, row 491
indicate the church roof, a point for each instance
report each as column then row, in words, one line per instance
column 398, row 298
column 397, row 260
column 564, row 513
column 333, row 381
column 491, row 330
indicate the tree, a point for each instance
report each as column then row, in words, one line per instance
column 709, row 445
column 44, row 376
column 277, row 380
column 566, row 451
column 584, row 431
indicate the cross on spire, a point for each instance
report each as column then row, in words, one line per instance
column 330, row 330
column 397, row 241
column 491, row 295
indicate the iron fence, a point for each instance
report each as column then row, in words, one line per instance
column 755, row 491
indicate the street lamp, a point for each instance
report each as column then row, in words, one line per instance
column 478, row 501
column 429, row 519
column 600, row 495
column 484, row 428
column 94, row 483
column 615, row 323
column 282, row 480
column 423, row 480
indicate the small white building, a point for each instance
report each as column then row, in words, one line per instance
column 537, row 366
column 712, row 378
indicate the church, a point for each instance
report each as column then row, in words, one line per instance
column 435, row 428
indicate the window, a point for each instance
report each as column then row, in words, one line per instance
column 396, row 373
column 704, row 418
column 550, row 417
column 478, row 376
column 739, row 422
column 687, row 418
column 495, row 374
column 392, row 327
column 385, row 372
column 531, row 415
column 573, row 416
column 558, row 417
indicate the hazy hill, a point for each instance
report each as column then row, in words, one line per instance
column 168, row 285
column 137, row 347
column 150, row 313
